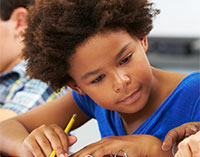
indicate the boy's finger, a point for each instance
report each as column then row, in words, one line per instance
column 169, row 140
column 63, row 138
column 34, row 148
column 55, row 141
column 72, row 140
column 173, row 136
column 44, row 144
column 190, row 130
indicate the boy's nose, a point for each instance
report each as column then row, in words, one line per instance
column 120, row 82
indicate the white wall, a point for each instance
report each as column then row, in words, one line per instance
column 177, row 18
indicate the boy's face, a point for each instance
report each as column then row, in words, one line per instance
column 113, row 70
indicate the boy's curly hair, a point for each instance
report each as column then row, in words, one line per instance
column 57, row 27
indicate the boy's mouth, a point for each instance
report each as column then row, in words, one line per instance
column 132, row 97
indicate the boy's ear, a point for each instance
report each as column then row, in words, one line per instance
column 18, row 16
column 75, row 87
column 144, row 43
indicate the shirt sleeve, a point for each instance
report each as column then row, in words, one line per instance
column 28, row 94
column 194, row 88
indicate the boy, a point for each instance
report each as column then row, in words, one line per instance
column 18, row 93
column 98, row 48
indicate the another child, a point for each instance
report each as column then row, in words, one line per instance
column 18, row 93
column 98, row 48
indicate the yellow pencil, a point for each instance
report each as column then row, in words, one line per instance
column 69, row 125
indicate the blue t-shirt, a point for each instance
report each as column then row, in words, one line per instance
column 181, row 106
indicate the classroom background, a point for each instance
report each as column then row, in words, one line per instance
column 174, row 44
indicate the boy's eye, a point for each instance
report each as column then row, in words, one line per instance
column 98, row 79
column 126, row 59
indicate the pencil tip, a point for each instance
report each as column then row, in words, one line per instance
column 74, row 116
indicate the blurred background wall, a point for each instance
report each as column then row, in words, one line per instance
column 174, row 44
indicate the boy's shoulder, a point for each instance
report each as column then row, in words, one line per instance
column 193, row 79
column 190, row 83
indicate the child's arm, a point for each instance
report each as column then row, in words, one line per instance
column 6, row 113
column 132, row 145
column 178, row 134
column 15, row 130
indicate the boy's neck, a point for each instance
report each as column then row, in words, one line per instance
column 11, row 65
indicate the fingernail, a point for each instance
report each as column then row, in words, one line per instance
column 193, row 128
column 66, row 155
column 62, row 155
column 164, row 146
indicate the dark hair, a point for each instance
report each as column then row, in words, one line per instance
column 8, row 6
column 57, row 27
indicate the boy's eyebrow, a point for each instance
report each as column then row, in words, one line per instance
column 122, row 51
column 117, row 56
column 90, row 74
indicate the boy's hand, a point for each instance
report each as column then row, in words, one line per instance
column 132, row 145
column 177, row 134
column 46, row 138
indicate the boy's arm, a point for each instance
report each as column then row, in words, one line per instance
column 12, row 135
column 59, row 111
column 132, row 145
column 6, row 113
